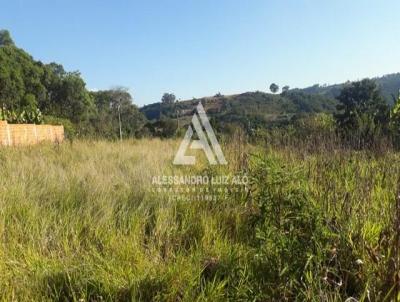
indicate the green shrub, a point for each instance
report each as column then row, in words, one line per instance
column 291, row 237
column 69, row 127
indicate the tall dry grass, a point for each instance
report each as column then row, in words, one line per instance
column 80, row 222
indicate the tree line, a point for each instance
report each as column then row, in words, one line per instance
column 34, row 92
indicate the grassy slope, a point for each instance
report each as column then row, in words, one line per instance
column 80, row 222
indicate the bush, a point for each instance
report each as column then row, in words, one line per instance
column 69, row 127
column 163, row 128
column 291, row 237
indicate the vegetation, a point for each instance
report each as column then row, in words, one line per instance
column 388, row 85
column 33, row 92
column 30, row 89
column 285, row 88
column 359, row 117
column 363, row 112
column 108, row 106
column 5, row 38
column 274, row 88
column 319, row 219
column 168, row 98
column 248, row 110
column 86, row 225
column 395, row 122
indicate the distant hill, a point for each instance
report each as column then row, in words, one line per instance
column 246, row 108
column 260, row 108
column 389, row 85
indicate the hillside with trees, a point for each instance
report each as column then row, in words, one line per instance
column 251, row 109
column 388, row 84
column 298, row 108
column 34, row 92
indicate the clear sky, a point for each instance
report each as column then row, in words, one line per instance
column 196, row 48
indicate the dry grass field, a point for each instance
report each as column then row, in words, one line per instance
column 80, row 222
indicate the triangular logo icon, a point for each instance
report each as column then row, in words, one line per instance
column 213, row 153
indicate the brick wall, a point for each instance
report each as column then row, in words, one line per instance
column 29, row 134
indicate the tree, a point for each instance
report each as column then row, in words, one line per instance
column 274, row 88
column 71, row 99
column 168, row 98
column 109, row 105
column 285, row 88
column 363, row 112
column 5, row 38
column 29, row 88
column 20, row 80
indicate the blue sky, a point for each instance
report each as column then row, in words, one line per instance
column 196, row 48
